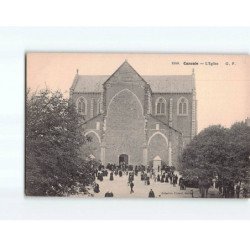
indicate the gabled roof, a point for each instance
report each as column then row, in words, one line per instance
column 158, row 83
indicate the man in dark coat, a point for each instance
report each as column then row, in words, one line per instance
column 158, row 178
column 181, row 183
column 175, row 180
column 142, row 176
column 148, row 181
column 111, row 176
column 151, row 194
column 131, row 187
column 171, row 178
column 96, row 188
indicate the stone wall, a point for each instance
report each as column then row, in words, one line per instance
column 180, row 123
column 124, row 129
column 129, row 126
column 92, row 101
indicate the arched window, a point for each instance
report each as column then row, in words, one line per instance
column 81, row 106
column 160, row 106
column 182, row 106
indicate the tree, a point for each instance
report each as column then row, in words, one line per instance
column 221, row 153
column 54, row 136
column 238, row 164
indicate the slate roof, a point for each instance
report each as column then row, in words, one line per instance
column 89, row 83
column 158, row 84
column 171, row 83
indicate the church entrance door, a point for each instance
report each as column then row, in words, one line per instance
column 157, row 162
column 123, row 159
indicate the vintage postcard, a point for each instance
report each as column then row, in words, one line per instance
column 137, row 125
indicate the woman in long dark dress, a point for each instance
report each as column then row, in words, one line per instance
column 151, row 194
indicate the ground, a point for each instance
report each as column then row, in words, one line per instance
column 120, row 188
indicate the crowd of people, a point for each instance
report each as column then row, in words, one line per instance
column 163, row 174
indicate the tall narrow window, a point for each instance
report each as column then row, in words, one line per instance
column 81, row 106
column 182, row 106
column 98, row 103
column 160, row 106
column 163, row 107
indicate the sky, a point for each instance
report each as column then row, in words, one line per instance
column 222, row 81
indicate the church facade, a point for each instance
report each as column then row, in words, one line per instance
column 136, row 119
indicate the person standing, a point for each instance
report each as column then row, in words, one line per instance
column 142, row 176
column 171, row 178
column 148, row 181
column 96, row 188
column 111, row 177
column 174, row 180
column 158, row 178
column 131, row 187
column 151, row 194
column 145, row 178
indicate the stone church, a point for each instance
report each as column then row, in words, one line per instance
column 136, row 119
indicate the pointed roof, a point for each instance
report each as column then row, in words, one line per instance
column 126, row 69
column 158, row 83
